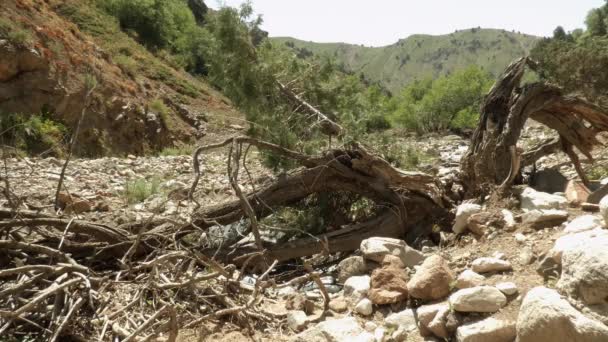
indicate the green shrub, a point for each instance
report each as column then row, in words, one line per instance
column 184, row 150
column 157, row 106
column 34, row 135
column 15, row 33
column 141, row 189
column 127, row 64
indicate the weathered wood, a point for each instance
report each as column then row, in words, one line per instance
column 504, row 113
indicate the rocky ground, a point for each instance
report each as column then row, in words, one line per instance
column 536, row 271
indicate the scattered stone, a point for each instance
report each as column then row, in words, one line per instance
column 576, row 192
column 427, row 313
column 299, row 302
column 357, row 286
column 286, row 291
column 509, row 218
column 406, row 320
column 439, row 325
column 376, row 248
column 508, row 288
column 533, row 200
column 485, row 265
column 489, row 329
column 469, row 278
column 370, row 326
column 432, row 279
column 351, row 266
column 379, row 334
column 479, row 223
column 478, row 299
column 545, row 316
column 388, row 285
column 364, row 307
column 526, row 256
column 543, row 218
column 604, row 210
column 336, row 330
column 583, row 223
column 296, row 320
column 364, row 337
column 338, row 304
column 463, row 212
column 520, row 238
column 575, row 241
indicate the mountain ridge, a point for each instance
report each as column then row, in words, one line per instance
column 422, row 56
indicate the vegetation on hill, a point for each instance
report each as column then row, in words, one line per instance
column 577, row 60
column 421, row 57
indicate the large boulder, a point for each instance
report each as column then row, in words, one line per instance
column 585, row 272
column 532, row 200
column 432, row 279
column 545, row 316
column 487, row 330
column 463, row 212
column 575, row 241
column 478, row 299
column 406, row 320
column 376, row 248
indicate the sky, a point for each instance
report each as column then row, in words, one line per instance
column 383, row 22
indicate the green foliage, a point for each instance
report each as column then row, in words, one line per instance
column 183, row 150
column 15, row 33
column 577, row 60
column 157, row 106
column 139, row 190
column 598, row 172
column 449, row 102
column 35, row 134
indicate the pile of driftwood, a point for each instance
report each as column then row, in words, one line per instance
column 138, row 281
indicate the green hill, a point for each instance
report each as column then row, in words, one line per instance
column 423, row 56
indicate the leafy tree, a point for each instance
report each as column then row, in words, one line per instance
column 596, row 21
column 559, row 33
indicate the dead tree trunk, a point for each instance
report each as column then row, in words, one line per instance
column 411, row 200
column 495, row 159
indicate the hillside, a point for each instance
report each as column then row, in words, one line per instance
column 141, row 103
column 422, row 56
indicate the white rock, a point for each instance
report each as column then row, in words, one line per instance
column 508, row 288
column 469, row 278
column 585, row 271
column 337, row 330
column 478, row 299
column 438, row 326
column 509, row 219
column 376, row 248
column 405, row 319
column 357, row 286
column 364, row 337
column 544, row 217
column 583, row 223
column 364, row 307
column 575, row 241
column 351, row 266
column 484, row 265
column 545, row 316
column 370, row 326
column 286, row 291
column 296, row 320
column 379, row 334
column 463, row 213
column 532, row 199
column 604, row 210
column 487, row 330
column 520, row 238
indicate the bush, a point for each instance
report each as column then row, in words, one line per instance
column 139, row 190
column 184, row 150
column 14, row 33
column 157, row 106
column 34, row 135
